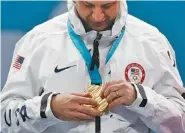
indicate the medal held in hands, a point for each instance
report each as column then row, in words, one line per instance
column 94, row 91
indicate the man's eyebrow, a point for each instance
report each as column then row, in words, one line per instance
column 110, row 3
column 85, row 2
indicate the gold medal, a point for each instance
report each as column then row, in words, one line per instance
column 94, row 91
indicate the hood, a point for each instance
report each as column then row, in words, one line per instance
column 116, row 29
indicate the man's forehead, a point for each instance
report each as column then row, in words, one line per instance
column 98, row 2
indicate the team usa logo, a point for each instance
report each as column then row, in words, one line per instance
column 135, row 73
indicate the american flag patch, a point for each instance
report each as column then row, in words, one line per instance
column 134, row 71
column 18, row 62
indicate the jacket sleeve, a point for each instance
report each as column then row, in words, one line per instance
column 162, row 108
column 24, row 106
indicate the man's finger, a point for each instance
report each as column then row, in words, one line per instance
column 111, row 97
column 116, row 94
column 81, row 94
column 75, row 115
column 111, row 89
column 85, row 100
column 117, row 102
column 89, row 110
column 82, row 116
column 106, row 85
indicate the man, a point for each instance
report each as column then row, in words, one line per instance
column 96, row 42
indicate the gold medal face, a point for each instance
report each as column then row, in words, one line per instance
column 94, row 91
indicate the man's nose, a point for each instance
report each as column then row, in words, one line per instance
column 98, row 15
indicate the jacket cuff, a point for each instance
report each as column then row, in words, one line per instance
column 47, row 112
column 141, row 100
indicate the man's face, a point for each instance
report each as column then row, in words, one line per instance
column 98, row 15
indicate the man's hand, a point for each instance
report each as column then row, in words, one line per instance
column 118, row 93
column 73, row 107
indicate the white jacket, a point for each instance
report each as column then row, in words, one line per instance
column 143, row 56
